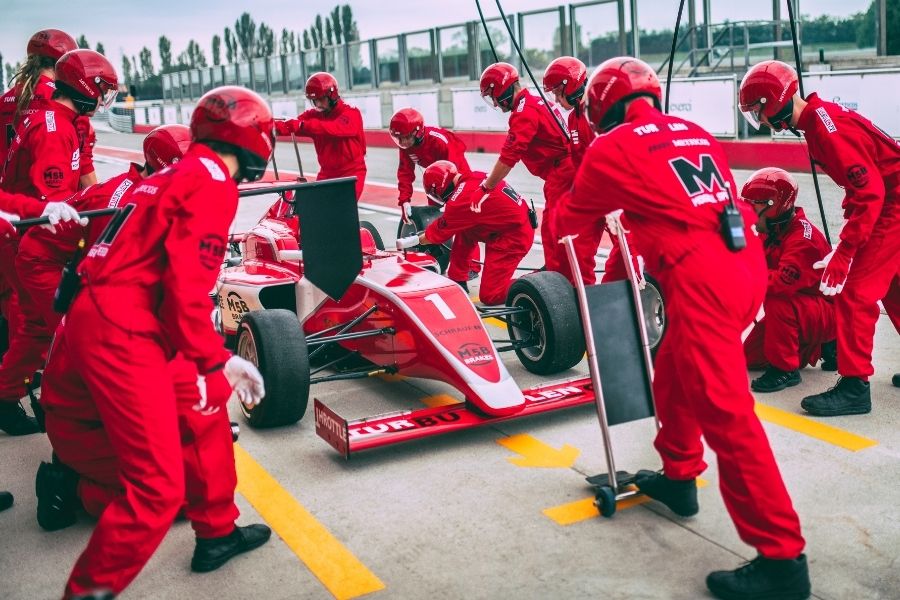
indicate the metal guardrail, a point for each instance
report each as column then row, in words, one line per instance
column 121, row 119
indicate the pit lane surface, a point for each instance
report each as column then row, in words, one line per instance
column 454, row 517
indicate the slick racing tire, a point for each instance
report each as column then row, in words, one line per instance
column 548, row 337
column 274, row 342
column 379, row 243
column 654, row 312
column 422, row 217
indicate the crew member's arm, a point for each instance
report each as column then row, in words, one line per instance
column 195, row 247
column 348, row 125
column 794, row 270
column 406, row 174
column 522, row 128
column 87, row 137
column 20, row 205
column 56, row 168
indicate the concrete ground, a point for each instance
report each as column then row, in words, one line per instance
column 453, row 517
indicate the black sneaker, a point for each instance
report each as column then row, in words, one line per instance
column 6, row 500
column 775, row 380
column 14, row 421
column 679, row 496
column 473, row 274
column 762, row 579
column 463, row 285
column 829, row 356
column 210, row 554
column 56, row 486
column 896, row 380
column 851, row 396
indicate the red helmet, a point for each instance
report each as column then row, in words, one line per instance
column 406, row 123
column 322, row 85
column 568, row 73
column 87, row 78
column 614, row 82
column 768, row 90
column 240, row 118
column 771, row 187
column 51, row 43
column 497, row 85
column 165, row 145
column 438, row 180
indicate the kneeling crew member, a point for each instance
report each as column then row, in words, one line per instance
column 799, row 322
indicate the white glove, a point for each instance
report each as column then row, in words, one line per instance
column 246, row 380
column 407, row 242
column 406, row 212
column 642, row 281
column 60, row 211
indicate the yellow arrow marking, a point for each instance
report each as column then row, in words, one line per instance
column 535, row 453
column 814, row 429
column 584, row 509
column 329, row 560
column 440, row 400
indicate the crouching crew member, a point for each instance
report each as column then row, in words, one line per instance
column 336, row 129
column 498, row 218
column 798, row 326
column 865, row 266
column 144, row 301
column 669, row 177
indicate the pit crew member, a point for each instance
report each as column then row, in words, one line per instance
column 669, row 177
column 865, row 266
column 336, row 129
column 799, row 321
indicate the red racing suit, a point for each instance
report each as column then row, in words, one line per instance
column 798, row 318
column 437, row 144
column 87, row 138
column 535, row 139
column 865, row 161
column 44, row 164
column 339, row 141
column 145, row 298
column 43, row 92
column 499, row 219
column 669, row 175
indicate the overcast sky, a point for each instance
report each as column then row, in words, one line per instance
column 126, row 26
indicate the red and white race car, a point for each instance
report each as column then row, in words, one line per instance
column 338, row 306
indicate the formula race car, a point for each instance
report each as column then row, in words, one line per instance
column 338, row 306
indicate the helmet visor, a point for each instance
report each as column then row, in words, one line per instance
column 108, row 93
column 753, row 114
column 435, row 198
column 321, row 104
column 404, row 142
column 490, row 101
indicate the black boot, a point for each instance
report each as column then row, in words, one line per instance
column 829, row 356
column 775, row 380
column 210, row 554
column 463, row 285
column 762, row 579
column 679, row 496
column 103, row 594
column 6, row 500
column 896, row 380
column 851, row 396
column 56, row 486
column 14, row 421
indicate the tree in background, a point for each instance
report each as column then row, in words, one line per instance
column 245, row 32
column 284, row 45
column 126, row 70
column 307, row 43
column 101, row 49
column 193, row 56
column 146, row 63
column 265, row 41
column 329, row 32
column 348, row 24
column 892, row 27
column 165, row 54
column 335, row 19
column 216, row 50
column 314, row 35
column 230, row 46
column 82, row 42
column 319, row 30
column 11, row 71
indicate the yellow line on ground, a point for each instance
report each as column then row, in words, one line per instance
column 329, row 560
column 495, row 322
column 584, row 509
column 814, row 429
column 440, row 400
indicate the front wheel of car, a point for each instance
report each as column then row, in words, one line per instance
column 547, row 335
column 274, row 341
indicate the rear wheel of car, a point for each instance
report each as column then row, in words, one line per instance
column 654, row 312
column 548, row 337
column 274, row 342
column 379, row 243
column 422, row 217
